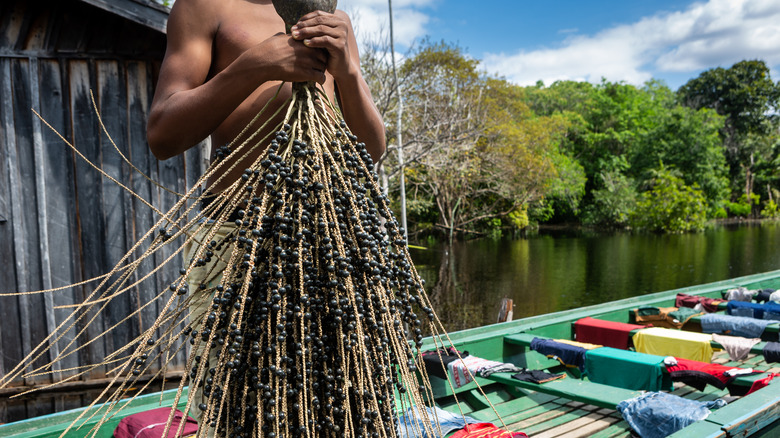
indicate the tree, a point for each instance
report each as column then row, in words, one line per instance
column 669, row 205
column 747, row 97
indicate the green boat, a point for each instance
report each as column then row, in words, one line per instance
column 569, row 407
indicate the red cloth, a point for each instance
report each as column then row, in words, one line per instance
column 758, row 384
column 686, row 369
column 151, row 424
column 709, row 304
column 486, row 430
column 606, row 333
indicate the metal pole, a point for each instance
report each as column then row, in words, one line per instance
column 398, row 125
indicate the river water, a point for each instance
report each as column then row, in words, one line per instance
column 555, row 271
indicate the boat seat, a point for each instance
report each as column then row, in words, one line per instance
column 524, row 339
column 584, row 391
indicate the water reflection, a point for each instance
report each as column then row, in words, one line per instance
column 557, row 271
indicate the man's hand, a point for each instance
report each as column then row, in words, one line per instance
column 285, row 59
column 331, row 32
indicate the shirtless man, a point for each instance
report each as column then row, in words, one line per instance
column 225, row 59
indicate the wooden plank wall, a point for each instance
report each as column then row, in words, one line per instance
column 61, row 222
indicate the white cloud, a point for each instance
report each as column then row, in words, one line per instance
column 370, row 19
column 706, row 35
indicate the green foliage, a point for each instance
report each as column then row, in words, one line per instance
column 749, row 100
column 770, row 210
column 480, row 148
column 744, row 205
column 613, row 203
column 670, row 205
column 518, row 219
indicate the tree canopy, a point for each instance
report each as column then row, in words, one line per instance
column 487, row 156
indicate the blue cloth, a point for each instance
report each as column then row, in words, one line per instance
column 570, row 355
column 748, row 310
column 412, row 424
column 659, row 414
column 772, row 311
column 772, row 352
column 734, row 325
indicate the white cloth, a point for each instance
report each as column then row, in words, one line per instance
column 737, row 347
column 463, row 370
column 775, row 296
column 740, row 294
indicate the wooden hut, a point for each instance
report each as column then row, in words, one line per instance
column 61, row 222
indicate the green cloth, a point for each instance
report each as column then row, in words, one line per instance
column 627, row 369
column 683, row 314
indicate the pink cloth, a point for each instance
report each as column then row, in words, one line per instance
column 151, row 424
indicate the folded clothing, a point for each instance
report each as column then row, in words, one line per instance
column 569, row 355
column 669, row 342
column 748, row 310
column 658, row 414
column 700, row 374
column 486, row 430
column 734, row 325
column 737, row 347
column 669, row 317
column 436, row 362
column 772, row 352
column 537, row 376
column 775, row 296
column 626, row 369
column 464, row 370
column 764, row 295
column 416, row 422
column 709, row 305
column 606, row 333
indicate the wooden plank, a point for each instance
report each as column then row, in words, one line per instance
column 557, row 422
column 538, row 414
column 604, row 396
column 148, row 14
column 12, row 21
column 138, row 92
column 24, row 221
column 43, row 217
column 60, row 196
column 510, row 411
column 700, row 429
column 750, row 414
column 589, row 429
column 110, row 95
column 9, row 317
column 91, row 219
column 620, row 428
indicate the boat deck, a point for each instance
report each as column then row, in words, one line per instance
column 547, row 416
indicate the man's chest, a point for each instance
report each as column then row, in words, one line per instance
column 243, row 28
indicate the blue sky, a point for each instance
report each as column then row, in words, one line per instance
column 628, row 40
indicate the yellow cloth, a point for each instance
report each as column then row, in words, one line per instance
column 584, row 345
column 678, row 343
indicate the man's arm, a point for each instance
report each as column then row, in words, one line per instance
column 333, row 32
column 187, row 105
